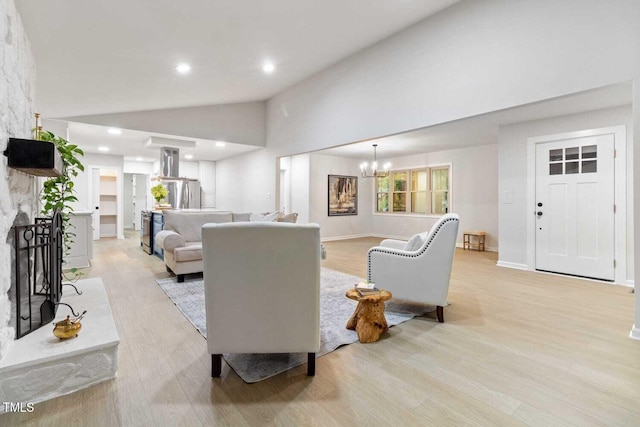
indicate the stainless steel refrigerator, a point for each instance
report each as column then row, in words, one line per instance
column 184, row 193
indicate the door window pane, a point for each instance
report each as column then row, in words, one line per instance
column 572, row 167
column 572, row 153
column 589, row 151
column 589, row 166
column 555, row 155
column 555, row 169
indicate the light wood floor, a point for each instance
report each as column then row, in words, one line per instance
column 516, row 348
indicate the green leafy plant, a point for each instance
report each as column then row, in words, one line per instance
column 58, row 192
column 159, row 192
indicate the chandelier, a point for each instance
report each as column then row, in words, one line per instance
column 373, row 172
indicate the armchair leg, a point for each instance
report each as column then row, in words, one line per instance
column 180, row 278
column 311, row 364
column 216, row 365
column 440, row 313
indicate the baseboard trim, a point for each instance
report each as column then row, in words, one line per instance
column 635, row 333
column 386, row 236
column 630, row 283
column 352, row 236
column 513, row 265
column 486, row 248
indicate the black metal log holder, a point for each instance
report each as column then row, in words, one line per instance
column 41, row 245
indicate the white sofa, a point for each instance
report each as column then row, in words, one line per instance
column 262, row 289
column 181, row 238
column 419, row 269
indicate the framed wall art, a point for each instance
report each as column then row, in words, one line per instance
column 343, row 195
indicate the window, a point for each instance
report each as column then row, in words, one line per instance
column 420, row 191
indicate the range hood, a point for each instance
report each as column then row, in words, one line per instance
column 39, row 158
column 169, row 162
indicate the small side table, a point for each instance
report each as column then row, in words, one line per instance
column 368, row 320
column 466, row 240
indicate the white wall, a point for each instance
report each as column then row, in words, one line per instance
column 473, row 58
column 247, row 183
column 320, row 167
column 207, row 176
column 513, row 165
column 300, row 166
column 474, row 194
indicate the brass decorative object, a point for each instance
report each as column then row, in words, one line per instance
column 68, row 328
column 37, row 127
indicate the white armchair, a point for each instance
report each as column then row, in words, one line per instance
column 418, row 270
column 262, row 289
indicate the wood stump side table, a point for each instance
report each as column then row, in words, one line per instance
column 368, row 319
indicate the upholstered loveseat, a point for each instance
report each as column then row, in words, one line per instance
column 181, row 238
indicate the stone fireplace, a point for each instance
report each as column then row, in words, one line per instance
column 18, row 191
column 38, row 366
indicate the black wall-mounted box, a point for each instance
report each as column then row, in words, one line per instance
column 40, row 158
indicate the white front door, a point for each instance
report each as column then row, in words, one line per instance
column 575, row 206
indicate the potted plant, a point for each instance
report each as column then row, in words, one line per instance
column 159, row 192
column 58, row 193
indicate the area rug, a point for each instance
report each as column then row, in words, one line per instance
column 335, row 311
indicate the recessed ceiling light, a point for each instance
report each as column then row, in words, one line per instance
column 268, row 67
column 188, row 156
column 103, row 148
column 114, row 131
column 183, row 68
column 220, row 144
column 138, row 159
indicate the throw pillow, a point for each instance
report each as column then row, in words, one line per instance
column 266, row 218
column 414, row 243
column 292, row 217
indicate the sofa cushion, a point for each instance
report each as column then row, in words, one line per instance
column 191, row 252
column 292, row 217
column 189, row 225
column 272, row 217
column 241, row 217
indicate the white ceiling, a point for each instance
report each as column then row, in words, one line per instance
column 98, row 57
column 131, row 144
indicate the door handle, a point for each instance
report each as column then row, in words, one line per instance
column 539, row 213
